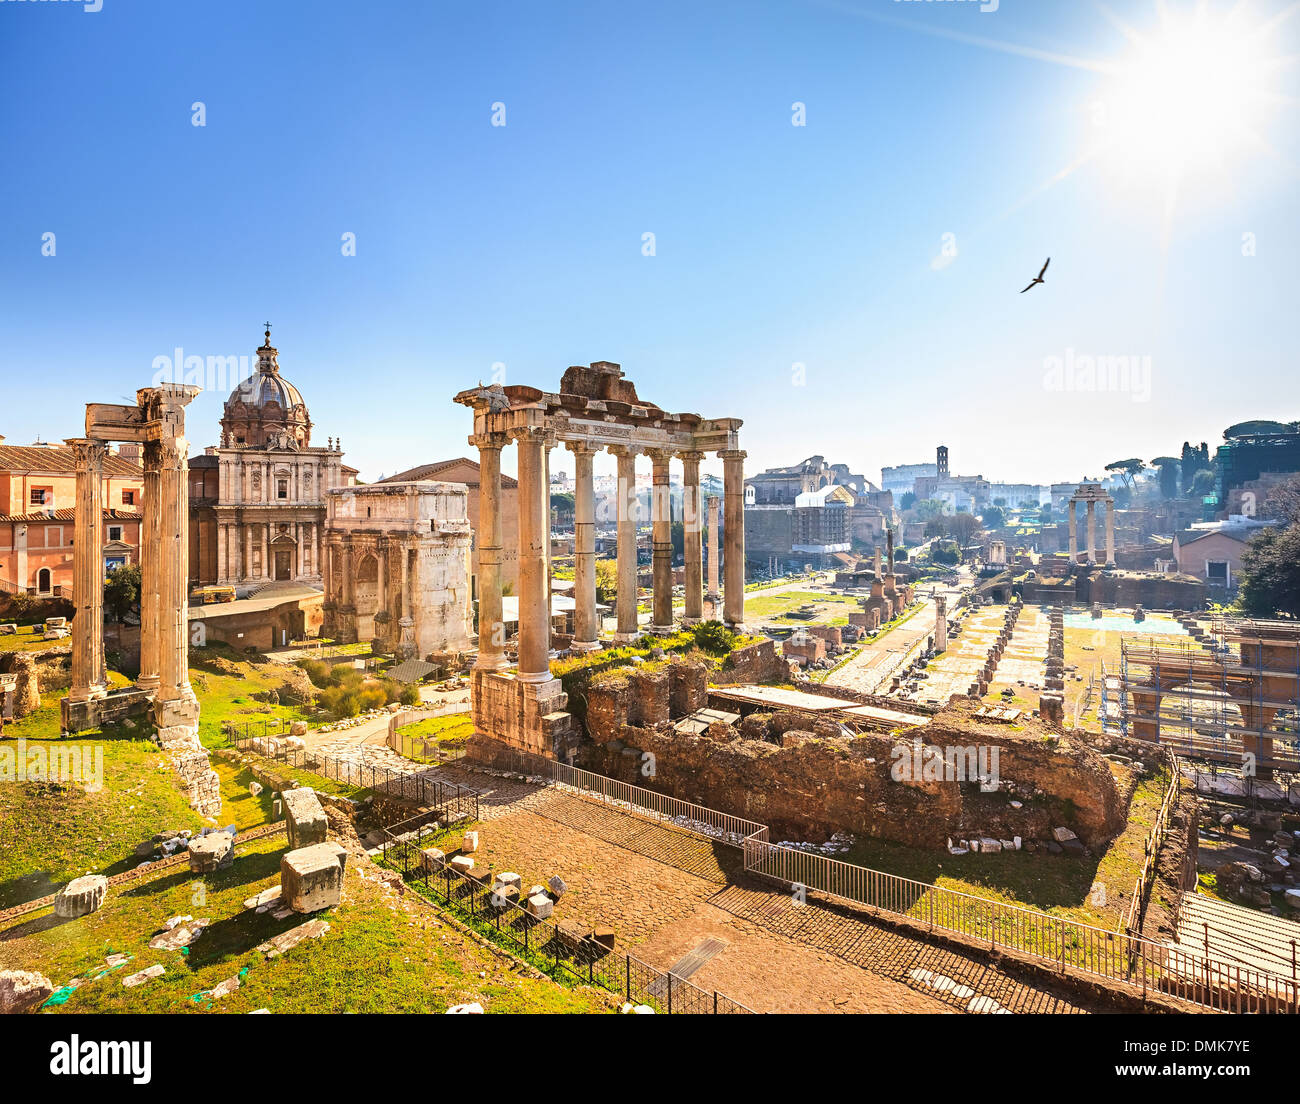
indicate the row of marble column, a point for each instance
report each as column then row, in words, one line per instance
column 164, row 569
column 534, row 444
column 1091, row 529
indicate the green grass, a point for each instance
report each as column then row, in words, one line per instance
column 450, row 731
column 376, row 958
column 30, row 638
column 50, row 833
column 774, row 606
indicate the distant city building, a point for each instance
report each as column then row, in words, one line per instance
column 810, row 512
column 956, row 492
column 901, row 478
column 1211, row 551
column 1251, row 451
column 38, row 489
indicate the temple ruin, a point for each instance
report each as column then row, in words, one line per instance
column 595, row 409
column 162, row 689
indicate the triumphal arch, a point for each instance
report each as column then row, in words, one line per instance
column 595, row 409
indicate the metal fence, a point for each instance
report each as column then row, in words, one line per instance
column 564, row 949
column 449, row 800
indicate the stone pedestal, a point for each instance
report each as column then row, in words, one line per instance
column 211, row 852
column 529, row 716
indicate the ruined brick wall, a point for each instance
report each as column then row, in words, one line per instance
column 648, row 700
column 688, row 687
column 800, row 777
column 756, row 662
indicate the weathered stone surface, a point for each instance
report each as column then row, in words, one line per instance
column 211, row 852
column 80, row 896
column 305, row 820
column 462, row 864
column 540, row 905
column 22, row 991
column 507, row 878
column 141, row 976
column 433, row 859
column 311, row 878
column 470, row 843
column 557, row 886
column 286, row 941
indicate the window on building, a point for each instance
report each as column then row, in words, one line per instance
column 41, row 496
column 128, row 498
column 1216, row 571
column 115, row 532
column 281, row 488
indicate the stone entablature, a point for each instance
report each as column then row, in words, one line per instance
column 397, row 567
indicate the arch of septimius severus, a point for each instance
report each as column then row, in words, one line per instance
column 157, row 423
column 596, row 409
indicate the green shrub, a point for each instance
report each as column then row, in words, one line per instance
column 714, row 637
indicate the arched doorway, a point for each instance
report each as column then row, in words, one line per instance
column 44, row 581
column 366, row 596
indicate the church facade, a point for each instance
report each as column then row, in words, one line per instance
column 257, row 500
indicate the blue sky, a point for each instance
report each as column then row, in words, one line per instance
column 522, row 245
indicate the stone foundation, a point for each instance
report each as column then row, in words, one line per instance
column 799, row 776
column 529, row 716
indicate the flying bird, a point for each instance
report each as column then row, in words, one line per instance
column 1039, row 278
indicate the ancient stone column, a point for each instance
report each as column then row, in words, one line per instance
column 733, row 490
column 692, row 518
column 1110, row 531
column 89, row 679
column 534, row 534
column 491, row 623
column 1091, row 520
column 548, row 442
column 714, row 596
column 585, row 625
column 627, row 624
column 1070, row 519
column 176, row 709
column 940, row 623
column 150, row 541
column 661, row 620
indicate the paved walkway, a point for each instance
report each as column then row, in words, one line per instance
column 665, row 892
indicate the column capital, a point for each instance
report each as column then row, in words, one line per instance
column 624, row 451
column 488, row 440
column 87, row 450
column 660, row 457
column 732, row 454
column 533, row 434
column 691, row 456
column 582, row 448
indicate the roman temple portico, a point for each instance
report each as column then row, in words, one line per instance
column 595, row 410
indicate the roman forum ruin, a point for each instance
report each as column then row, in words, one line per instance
column 596, row 408
column 1090, row 494
column 157, row 423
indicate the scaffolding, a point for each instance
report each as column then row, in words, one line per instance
column 1231, row 693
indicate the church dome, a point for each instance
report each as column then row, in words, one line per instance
column 266, row 410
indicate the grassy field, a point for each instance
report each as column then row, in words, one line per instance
column 382, row 953
column 30, row 638
column 832, row 609
column 50, row 833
